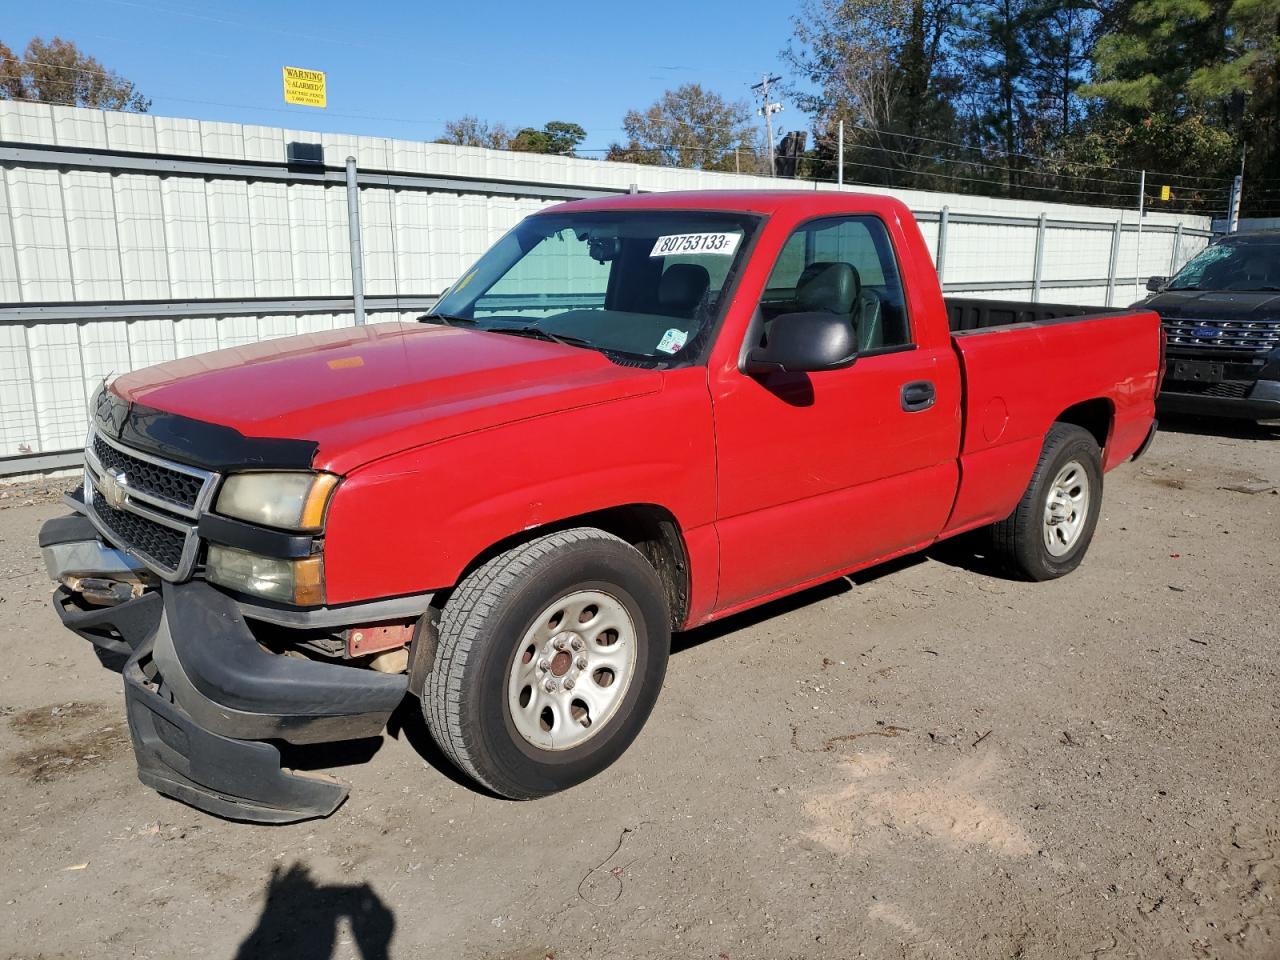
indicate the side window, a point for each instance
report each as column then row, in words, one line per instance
column 844, row 265
column 555, row 276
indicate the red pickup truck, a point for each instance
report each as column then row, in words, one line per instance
column 630, row 417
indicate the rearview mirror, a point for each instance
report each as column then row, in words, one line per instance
column 805, row 342
column 1156, row 284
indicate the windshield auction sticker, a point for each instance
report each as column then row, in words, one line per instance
column 723, row 244
column 673, row 341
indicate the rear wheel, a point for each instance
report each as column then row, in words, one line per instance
column 1049, row 533
column 550, row 658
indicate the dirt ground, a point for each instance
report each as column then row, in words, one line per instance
column 929, row 762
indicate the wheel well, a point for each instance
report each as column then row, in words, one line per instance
column 649, row 528
column 1095, row 416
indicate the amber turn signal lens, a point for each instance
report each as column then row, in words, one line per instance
column 317, row 499
column 308, row 581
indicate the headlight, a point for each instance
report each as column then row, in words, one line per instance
column 299, row 582
column 290, row 501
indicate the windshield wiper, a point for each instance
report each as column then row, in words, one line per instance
column 530, row 330
column 448, row 319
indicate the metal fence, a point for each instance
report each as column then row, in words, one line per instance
column 128, row 240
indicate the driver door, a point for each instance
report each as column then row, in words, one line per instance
column 822, row 472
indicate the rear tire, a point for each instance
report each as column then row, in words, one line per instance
column 1049, row 532
column 550, row 658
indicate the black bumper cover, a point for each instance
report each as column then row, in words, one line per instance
column 203, row 700
column 1261, row 403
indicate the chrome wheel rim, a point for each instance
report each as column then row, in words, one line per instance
column 572, row 670
column 1066, row 508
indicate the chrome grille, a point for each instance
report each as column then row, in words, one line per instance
column 146, row 505
column 1248, row 336
column 174, row 486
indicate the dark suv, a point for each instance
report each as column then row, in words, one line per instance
column 1221, row 315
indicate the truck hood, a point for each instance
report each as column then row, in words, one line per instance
column 367, row 392
column 1215, row 305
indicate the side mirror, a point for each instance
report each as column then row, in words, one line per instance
column 1156, row 284
column 805, row 342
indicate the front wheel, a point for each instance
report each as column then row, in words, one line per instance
column 550, row 658
column 1050, row 531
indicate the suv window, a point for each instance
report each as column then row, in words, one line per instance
column 843, row 265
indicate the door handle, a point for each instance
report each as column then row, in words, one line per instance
column 918, row 395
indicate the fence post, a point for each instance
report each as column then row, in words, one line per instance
column 944, row 216
column 357, row 254
column 1039, row 268
column 1111, row 268
column 1177, row 250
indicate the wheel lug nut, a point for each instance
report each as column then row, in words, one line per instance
column 544, row 665
column 558, row 643
column 576, row 643
column 582, row 663
column 550, row 686
column 568, row 683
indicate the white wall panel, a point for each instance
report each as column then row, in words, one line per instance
column 151, row 341
column 178, row 136
column 10, row 290
column 18, row 432
column 131, row 131
column 91, row 232
column 378, row 240
column 231, row 242
column 59, row 385
column 195, row 335
column 27, row 122
column 309, row 240
column 272, row 259
column 186, row 230
column 144, row 255
column 39, row 233
column 104, row 347
column 79, row 128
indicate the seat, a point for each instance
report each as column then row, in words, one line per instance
column 835, row 287
column 681, row 290
column 828, row 287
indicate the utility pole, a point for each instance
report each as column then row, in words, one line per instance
column 767, row 110
column 840, row 155
column 1237, row 192
column 1137, row 254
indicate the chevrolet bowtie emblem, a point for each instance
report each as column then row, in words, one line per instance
column 114, row 487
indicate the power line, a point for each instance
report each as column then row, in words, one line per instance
column 1027, row 156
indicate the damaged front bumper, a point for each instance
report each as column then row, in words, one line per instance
column 206, row 703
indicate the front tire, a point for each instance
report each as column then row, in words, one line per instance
column 1049, row 533
column 549, row 661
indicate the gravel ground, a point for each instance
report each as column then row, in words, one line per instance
column 929, row 762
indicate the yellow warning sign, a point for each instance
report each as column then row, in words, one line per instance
column 1166, row 193
column 304, row 87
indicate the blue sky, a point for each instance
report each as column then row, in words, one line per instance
column 401, row 69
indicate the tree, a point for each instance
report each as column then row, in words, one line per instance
column 887, row 68
column 690, row 127
column 58, row 72
column 1213, row 67
column 470, row 131
column 557, row 136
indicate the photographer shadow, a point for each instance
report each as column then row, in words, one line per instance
column 300, row 919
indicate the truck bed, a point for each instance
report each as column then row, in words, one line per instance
column 965, row 314
column 1023, row 365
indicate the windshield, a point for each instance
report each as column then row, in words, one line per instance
column 642, row 283
column 1247, row 265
